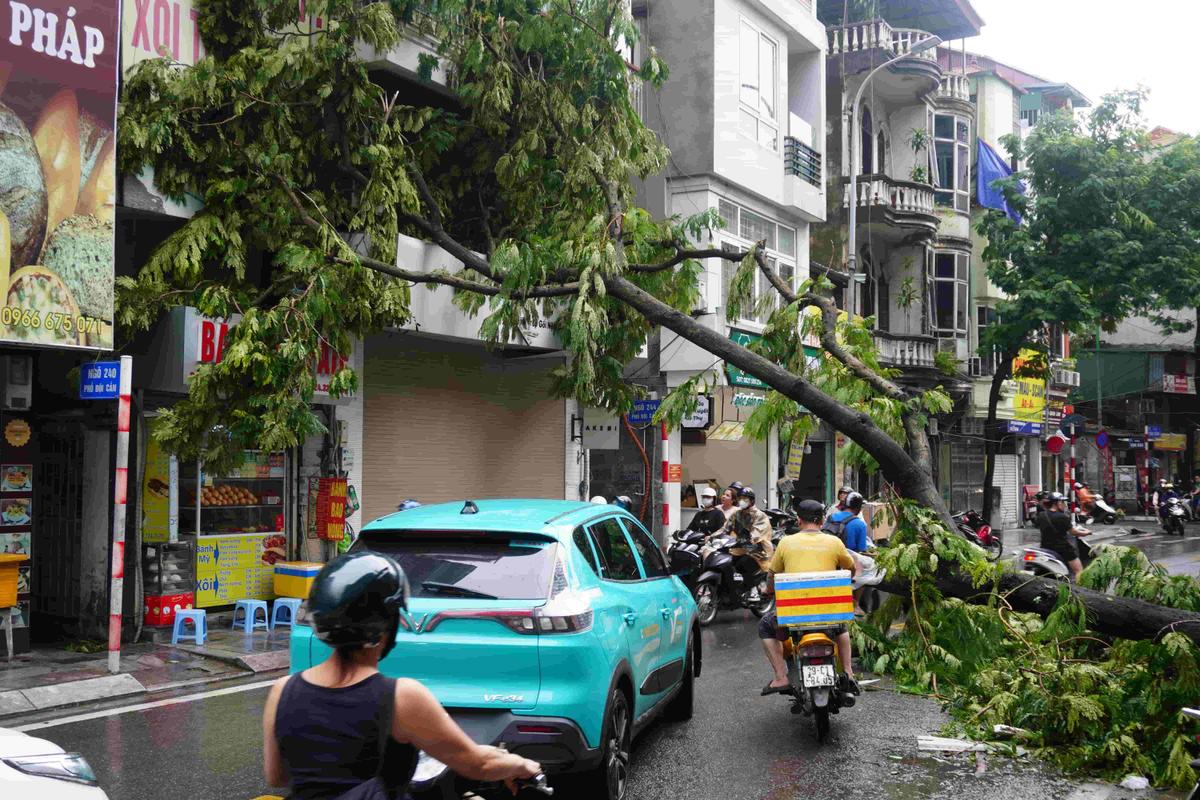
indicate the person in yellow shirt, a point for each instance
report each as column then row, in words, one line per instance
column 808, row 550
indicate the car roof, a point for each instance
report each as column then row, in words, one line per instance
column 508, row 515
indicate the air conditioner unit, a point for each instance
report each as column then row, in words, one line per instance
column 975, row 366
column 16, row 383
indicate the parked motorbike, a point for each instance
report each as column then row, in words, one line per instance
column 1102, row 512
column 1195, row 795
column 710, row 572
column 782, row 523
column 433, row 780
column 971, row 524
column 817, row 685
column 1174, row 516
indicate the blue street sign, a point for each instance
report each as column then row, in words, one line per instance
column 1153, row 432
column 643, row 411
column 1102, row 440
column 1024, row 428
column 100, row 380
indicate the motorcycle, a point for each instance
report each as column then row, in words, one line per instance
column 433, row 780
column 1049, row 564
column 1102, row 512
column 971, row 525
column 1195, row 795
column 710, row 572
column 1173, row 516
column 817, row 686
column 783, row 523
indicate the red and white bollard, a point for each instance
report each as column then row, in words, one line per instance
column 120, row 494
column 666, row 479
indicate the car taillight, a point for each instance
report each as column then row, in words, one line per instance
column 566, row 613
column 816, row 651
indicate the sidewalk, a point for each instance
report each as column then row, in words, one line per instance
column 49, row 678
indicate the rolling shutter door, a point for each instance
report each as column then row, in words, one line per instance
column 1006, row 480
column 444, row 424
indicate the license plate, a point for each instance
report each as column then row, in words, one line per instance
column 817, row 674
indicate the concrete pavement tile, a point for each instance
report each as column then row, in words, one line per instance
column 82, row 691
column 14, row 702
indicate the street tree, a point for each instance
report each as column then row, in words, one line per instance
column 1091, row 247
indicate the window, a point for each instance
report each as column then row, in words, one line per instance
column 866, row 140
column 585, row 547
column 744, row 228
column 952, row 157
column 984, row 318
column 950, row 293
column 758, row 114
column 881, row 152
column 883, row 311
column 652, row 559
column 468, row 564
column 618, row 562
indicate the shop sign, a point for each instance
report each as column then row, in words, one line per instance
column 1179, row 384
column 674, row 473
column 736, row 376
column 327, row 508
column 100, row 380
column 643, row 411
column 600, row 430
column 234, row 567
column 1171, row 441
column 1153, row 432
column 1131, row 442
column 795, row 458
column 701, row 418
column 748, row 400
column 329, row 363
column 1029, row 403
column 157, row 519
column 57, row 184
column 1024, row 428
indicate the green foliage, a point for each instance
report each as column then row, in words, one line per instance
column 945, row 362
column 1090, row 705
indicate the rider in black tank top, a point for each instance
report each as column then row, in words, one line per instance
column 329, row 737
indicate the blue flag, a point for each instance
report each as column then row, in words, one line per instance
column 991, row 168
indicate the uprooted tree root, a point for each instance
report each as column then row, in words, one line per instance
column 1089, row 703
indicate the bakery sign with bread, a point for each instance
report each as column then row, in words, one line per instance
column 58, row 93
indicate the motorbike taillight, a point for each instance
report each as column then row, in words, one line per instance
column 816, row 651
column 1030, row 556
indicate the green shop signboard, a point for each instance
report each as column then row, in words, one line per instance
column 737, row 377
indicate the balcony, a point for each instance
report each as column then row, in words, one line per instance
column 954, row 90
column 857, row 44
column 899, row 204
column 803, row 180
column 906, row 350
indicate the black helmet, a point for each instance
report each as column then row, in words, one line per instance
column 810, row 510
column 854, row 501
column 736, row 486
column 846, row 489
column 1040, row 496
column 1056, row 497
column 623, row 502
column 748, row 493
column 356, row 599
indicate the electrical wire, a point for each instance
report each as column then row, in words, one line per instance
column 645, row 460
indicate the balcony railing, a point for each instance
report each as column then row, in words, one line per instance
column 955, row 87
column 802, row 161
column 861, row 36
column 902, row 350
column 902, row 196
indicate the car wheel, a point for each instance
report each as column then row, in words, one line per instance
column 683, row 704
column 610, row 780
column 706, row 603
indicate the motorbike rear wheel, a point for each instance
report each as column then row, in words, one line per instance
column 821, row 716
column 994, row 548
column 707, row 603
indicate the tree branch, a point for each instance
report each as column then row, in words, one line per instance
column 682, row 255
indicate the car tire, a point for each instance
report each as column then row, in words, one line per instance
column 610, row 780
column 683, row 704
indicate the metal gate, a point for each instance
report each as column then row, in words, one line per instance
column 58, row 504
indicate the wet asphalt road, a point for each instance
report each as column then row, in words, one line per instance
column 739, row 746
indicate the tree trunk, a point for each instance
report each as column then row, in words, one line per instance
column 909, row 477
column 1107, row 614
column 990, row 442
column 918, row 441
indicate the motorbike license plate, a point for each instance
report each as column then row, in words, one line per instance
column 817, row 674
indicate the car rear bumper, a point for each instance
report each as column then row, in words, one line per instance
column 557, row 743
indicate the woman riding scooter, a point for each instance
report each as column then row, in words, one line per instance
column 342, row 729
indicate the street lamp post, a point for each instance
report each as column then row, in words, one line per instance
column 918, row 47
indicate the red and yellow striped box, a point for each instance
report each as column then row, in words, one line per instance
column 814, row 599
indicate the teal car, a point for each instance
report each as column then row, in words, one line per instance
column 552, row 627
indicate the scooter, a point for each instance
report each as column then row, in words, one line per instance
column 1049, row 564
column 782, row 524
column 1102, row 512
column 971, row 525
column 1195, row 795
column 818, row 688
column 722, row 585
column 433, row 780
column 1174, row 517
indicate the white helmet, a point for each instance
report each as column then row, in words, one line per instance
column 707, row 491
column 599, row 500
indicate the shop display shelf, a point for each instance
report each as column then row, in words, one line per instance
column 255, row 505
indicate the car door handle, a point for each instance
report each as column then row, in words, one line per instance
column 666, row 612
column 630, row 618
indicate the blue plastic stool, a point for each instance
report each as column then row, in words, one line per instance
column 289, row 604
column 199, row 620
column 250, row 615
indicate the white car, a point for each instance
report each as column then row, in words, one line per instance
column 35, row 768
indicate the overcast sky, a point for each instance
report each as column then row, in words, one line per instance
column 1100, row 45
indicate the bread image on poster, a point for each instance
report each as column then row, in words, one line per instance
column 58, row 171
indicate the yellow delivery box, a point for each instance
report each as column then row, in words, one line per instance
column 814, row 599
column 295, row 578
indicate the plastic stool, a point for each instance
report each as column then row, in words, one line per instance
column 199, row 619
column 250, row 614
column 289, row 604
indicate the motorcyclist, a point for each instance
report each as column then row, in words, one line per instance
column 749, row 522
column 1059, row 535
column 709, row 518
column 848, row 525
column 842, row 494
column 1166, row 491
column 728, row 502
column 807, row 550
column 342, row 729
column 1087, row 500
column 599, row 500
column 623, row 501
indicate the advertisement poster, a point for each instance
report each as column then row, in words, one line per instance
column 1029, row 404
column 156, row 492
column 58, row 93
column 231, row 568
column 16, row 478
column 15, row 543
column 16, row 511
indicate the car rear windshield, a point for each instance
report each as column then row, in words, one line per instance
column 468, row 565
